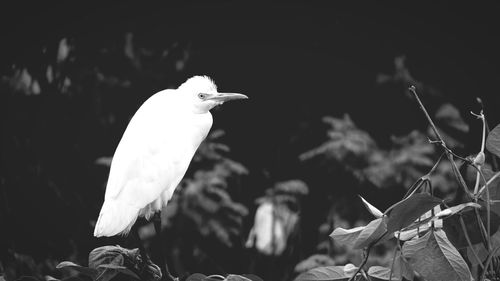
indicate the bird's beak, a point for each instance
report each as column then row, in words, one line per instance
column 223, row 97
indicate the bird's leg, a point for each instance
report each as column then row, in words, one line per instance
column 163, row 263
column 142, row 250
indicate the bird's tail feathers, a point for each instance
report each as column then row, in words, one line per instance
column 115, row 218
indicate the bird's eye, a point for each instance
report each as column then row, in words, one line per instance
column 202, row 95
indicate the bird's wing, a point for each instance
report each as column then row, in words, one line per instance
column 155, row 151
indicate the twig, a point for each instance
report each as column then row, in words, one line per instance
column 394, row 256
column 496, row 175
column 413, row 90
column 467, row 238
column 440, row 141
column 488, row 261
column 420, row 183
column 366, row 255
column 488, row 210
column 488, row 201
column 456, row 172
column 493, row 159
column 481, row 152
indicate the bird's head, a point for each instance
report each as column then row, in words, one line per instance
column 202, row 93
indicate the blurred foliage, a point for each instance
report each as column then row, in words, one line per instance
column 355, row 150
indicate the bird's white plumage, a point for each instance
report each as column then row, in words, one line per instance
column 154, row 154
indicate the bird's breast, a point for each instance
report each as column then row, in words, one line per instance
column 185, row 133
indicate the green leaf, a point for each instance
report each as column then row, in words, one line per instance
column 328, row 273
column 435, row 258
column 107, row 255
column 252, row 277
column 106, row 275
column 494, row 190
column 455, row 209
column 314, row 261
column 371, row 233
column 406, row 270
column 493, row 141
column 27, row 278
column 234, row 277
column 382, row 273
column 91, row 272
column 120, row 269
column 400, row 269
column 407, row 211
column 196, row 277
column 346, row 237
column 214, row 277
column 128, row 258
column 372, row 209
column 73, row 278
column 481, row 251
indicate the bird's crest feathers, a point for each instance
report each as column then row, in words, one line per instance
column 199, row 83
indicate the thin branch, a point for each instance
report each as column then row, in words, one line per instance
column 496, row 175
column 488, row 261
column 417, row 184
column 493, row 159
column 363, row 262
column 481, row 152
column 456, row 172
column 394, row 256
column 469, row 243
column 413, row 90
column 366, row 255
column 488, row 207
column 420, row 182
column 440, row 140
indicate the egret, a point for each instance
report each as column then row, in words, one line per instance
column 155, row 152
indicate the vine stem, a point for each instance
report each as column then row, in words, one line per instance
column 469, row 243
column 488, row 261
column 450, row 155
column 417, row 185
column 496, row 175
column 366, row 255
column 413, row 90
column 481, row 153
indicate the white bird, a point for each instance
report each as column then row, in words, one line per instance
column 155, row 151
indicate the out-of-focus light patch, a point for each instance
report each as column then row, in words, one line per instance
column 262, row 235
column 35, row 87
column 63, row 50
column 179, row 65
column 49, row 74
column 104, row 161
column 147, row 231
column 23, row 82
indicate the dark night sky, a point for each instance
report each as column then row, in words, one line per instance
column 297, row 61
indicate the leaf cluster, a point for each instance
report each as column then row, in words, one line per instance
column 428, row 236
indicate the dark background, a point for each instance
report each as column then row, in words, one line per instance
column 298, row 62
